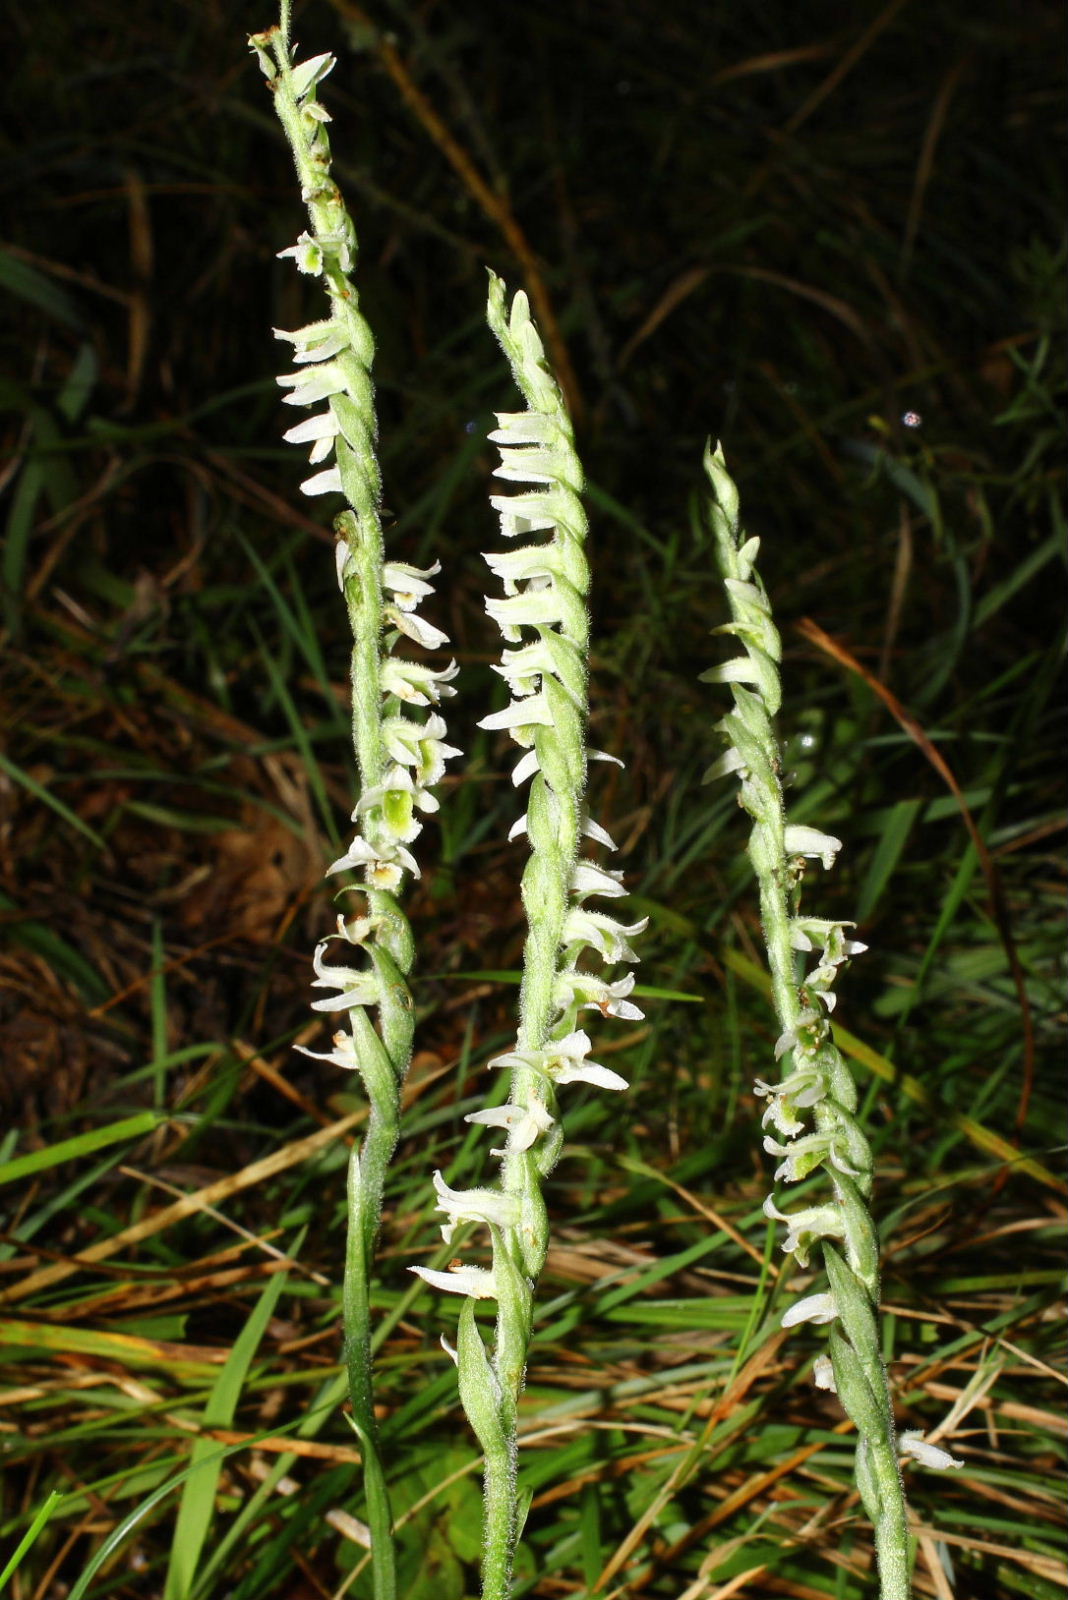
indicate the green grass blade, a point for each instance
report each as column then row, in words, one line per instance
column 82, row 1144
column 197, row 1506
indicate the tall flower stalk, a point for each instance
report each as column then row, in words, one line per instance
column 543, row 618
column 399, row 757
column 811, row 1109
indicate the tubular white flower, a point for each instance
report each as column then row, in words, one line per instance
column 806, row 1228
column 588, row 992
column 408, row 585
column 915, row 1447
column 533, row 710
column 420, row 746
column 587, row 878
column 413, row 626
column 525, row 1124
column 416, row 684
column 319, row 430
column 800, row 1091
column 319, row 341
column 355, row 988
column 814, row 1308
column 803, row 1156
column 488, row 1206
column 383, row 862
column 342, row 1055
column 313, row 384
column 478, row 1283
column 563, row 1061
column 802, row 841
column 602, row 933
column 307, row 253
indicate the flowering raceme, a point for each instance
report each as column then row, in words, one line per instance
column 542, row 617
column 399, row 734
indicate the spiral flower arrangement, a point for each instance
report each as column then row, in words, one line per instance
column 543, row 619
column 399, row 757
column 812, row 1107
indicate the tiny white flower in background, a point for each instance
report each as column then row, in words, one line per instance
column 477, row 1282
column 915, row 1447
column 823, row 1374
column 813, row 1308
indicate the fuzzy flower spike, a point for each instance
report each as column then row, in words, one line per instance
column 542, row 615
column 400, row 751
column 812, row 1107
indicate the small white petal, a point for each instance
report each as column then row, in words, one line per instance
column 813, row 1308
column 322, row 426
column 532, row 709
column 328, row 482
column 525, row 768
